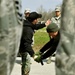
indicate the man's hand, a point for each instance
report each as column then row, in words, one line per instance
column 37, row 58
column 48, row 22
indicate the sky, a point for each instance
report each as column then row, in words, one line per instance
column 33, row 5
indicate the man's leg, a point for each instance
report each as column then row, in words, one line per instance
column 26, row 63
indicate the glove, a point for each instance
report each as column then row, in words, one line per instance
column 38, row 53
column 38, row 58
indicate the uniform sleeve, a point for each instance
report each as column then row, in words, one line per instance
column 39, row 26
column 46, row 46
column 53, row 20
column 49, row 52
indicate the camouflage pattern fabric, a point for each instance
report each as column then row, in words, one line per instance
column 10, row 33
column 65, row 56
column 26, row 63
column 56, row 20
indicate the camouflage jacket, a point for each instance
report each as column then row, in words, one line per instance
column 10, row 33
column 56, row 20
column 65, row 56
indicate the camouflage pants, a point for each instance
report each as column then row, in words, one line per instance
column 26, row 63
column 65, row 56
column 10, row 34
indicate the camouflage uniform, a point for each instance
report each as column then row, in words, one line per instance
column 65, row 56
column 56, row 20
column 10, row 33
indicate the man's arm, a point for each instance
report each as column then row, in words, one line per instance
column 46, row 46
column 39, row 26
column 53, row 47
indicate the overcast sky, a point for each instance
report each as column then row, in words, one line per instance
column 33, row 5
